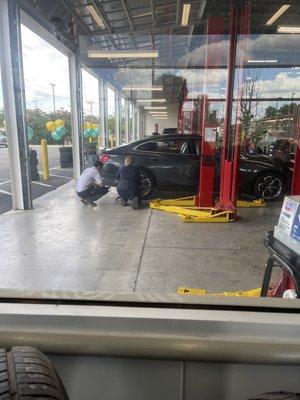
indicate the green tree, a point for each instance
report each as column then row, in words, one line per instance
column 2, row 118
column 270, row 112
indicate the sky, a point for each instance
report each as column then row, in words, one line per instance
column 43, row 64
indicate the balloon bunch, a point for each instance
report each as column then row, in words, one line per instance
column 57, row 128
column 30, row 133
column 90, row 130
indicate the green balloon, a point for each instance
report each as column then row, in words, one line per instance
column 94, row 133
column 87, row 132
column 55, row 135
column 61, row 131
column 30, row 133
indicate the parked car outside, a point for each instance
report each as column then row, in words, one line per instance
column 171, row 163
column 3, row 141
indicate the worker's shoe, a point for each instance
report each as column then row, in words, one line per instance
column 136, row 203
column 124, row 203
column 92, row 204
column 85, row 202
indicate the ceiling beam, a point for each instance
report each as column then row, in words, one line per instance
column 152, row 5
column 97, row 5
column 69, row 5
column 128, row 14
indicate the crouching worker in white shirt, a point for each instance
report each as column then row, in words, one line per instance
column 89, row 186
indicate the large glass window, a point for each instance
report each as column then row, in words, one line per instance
column 91, row 119
column 47, row 93
column 5, row 180
column 111, row 117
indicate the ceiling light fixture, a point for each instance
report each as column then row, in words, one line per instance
column 288, row 29
column 185, row 14
column 155, row 107
column 151, row 100
column 122, row 54
column 261, row 61
column 158, row 112
column 150, row 88
column 279, row 12
column 96, row 17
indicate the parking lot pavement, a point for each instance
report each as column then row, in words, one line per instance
column 58, row 177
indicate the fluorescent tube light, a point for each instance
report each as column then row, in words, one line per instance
column 151, row 100
column 96, row 17
column 155, row 108
column 158, row 112
column 150, row 88
column 185, row 14
column 288, row 29
column 122, row 54
column 261, row 61
column 279, row 12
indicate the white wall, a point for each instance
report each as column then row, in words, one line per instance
column 171, row 122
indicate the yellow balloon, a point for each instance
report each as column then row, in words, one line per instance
column 59, row 122
column 94, row 126
column 50, row 126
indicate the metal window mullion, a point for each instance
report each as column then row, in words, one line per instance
column 76, row 113
column 14, row 103
column 127, row 120
column 102, row 111
column 117, row 118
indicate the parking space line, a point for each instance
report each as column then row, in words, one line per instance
column 3, row 183
column 5, row 192
column 40, row 183
column 61, row 176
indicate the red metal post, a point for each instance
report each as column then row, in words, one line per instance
column 205, row 195
column 296, row 173
column 239, row 22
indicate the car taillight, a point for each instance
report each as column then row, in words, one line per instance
column 104, row 158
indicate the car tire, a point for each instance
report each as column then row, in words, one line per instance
column 270, row 186
column 147, row 184
column 26, row 373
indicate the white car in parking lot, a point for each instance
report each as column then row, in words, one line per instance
column 3, row 141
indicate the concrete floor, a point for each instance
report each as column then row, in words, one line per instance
column 62, row 245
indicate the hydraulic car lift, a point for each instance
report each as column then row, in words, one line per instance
column 203, row 208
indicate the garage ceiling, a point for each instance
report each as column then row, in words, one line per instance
column 145, row 25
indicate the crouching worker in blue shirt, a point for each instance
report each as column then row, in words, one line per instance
column 89, row 186
column 129, row 183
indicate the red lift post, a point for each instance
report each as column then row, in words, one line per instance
column 205, row 195
column 296, row 171
column 239, row 24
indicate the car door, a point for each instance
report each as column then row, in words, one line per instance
column 170, row 162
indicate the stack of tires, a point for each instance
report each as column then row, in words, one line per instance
column 34, row 165
column 66, row 157
column 90, row 154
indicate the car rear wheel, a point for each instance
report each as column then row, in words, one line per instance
column 270, row 187
column 147, row 184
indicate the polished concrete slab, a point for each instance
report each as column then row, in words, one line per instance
column 62, row 245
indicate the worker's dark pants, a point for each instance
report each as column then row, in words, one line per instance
column 127, row 190
column 93, row 193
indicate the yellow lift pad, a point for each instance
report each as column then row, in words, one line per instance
column 202, row 292
column 185, row 209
